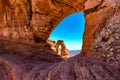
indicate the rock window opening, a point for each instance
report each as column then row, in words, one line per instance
column 69, row 35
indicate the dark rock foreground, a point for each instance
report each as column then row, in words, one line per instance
column 28, row 61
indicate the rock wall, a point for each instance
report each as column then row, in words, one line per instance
column 24, row 20
column 34, row 19
column 101, row 37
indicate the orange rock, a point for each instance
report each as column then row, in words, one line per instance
column 24, row 20
column 39, row 17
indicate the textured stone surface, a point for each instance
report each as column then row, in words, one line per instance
column 107, row 39
column 34, row 19
column 30, row 61
column 24, row 20
column 52, row 44
column 101, row 37
column 3, row 73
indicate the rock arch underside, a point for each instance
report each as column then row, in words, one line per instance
column 25, row 26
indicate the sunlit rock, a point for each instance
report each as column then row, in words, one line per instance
column 25, row 26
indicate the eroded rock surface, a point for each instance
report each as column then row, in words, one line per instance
column 34, row 19
column 52, row 44
column 101, row 37
column 107, row 40
column 30, row 61
column 22, row 21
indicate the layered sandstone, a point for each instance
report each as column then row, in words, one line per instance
column 22, row 21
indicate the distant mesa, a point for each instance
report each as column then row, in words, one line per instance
column 73, row 52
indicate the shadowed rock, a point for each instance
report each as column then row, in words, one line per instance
column 24, row 22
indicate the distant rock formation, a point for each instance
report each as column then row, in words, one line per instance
column 73, row 52
column 52, row 44
column 63, row 50
column 60, row 51
column 25, row 26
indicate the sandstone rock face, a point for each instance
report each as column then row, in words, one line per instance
column 107, row 40
column 24, row 20
column 34, row 19
column 52, row 44
column 101, row 37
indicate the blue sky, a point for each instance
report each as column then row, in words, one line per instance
column 70, row 30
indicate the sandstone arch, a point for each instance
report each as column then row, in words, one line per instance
column 63, row 50
column 40, row 63
column 35, row 17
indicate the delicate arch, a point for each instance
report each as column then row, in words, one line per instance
column 63, row 51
